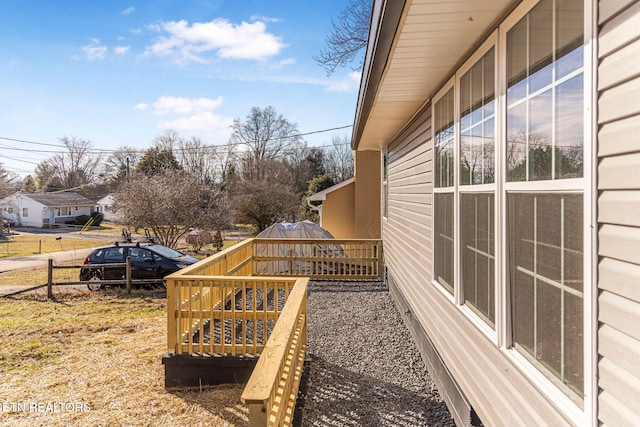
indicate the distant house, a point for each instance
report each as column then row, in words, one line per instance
column 44, row 209
column 105, row 207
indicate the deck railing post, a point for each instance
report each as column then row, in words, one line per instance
column 258, row 415
column 171, row 314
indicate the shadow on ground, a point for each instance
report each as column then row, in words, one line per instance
column 332, row 395
column 222, row 401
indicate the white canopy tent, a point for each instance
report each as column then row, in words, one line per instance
column 292, row 230
column 298, row 230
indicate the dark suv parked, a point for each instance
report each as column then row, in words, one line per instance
column 148, row 261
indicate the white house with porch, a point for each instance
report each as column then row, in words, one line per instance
column 44, row 209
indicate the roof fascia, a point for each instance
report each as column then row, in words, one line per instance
column 385, row 20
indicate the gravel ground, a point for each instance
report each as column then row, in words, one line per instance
column 363, row 367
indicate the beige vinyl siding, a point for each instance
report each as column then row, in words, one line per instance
column 619, row 213
column 500, row 392
column 407, row 230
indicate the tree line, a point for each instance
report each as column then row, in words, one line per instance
column 260, row 176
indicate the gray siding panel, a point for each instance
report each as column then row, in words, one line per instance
column 619, row 213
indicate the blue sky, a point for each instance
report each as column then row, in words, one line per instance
column 122, row 72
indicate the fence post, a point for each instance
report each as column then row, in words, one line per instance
column 128, row 274
column 50, row 279
column 40, row 246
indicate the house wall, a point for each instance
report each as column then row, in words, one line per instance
column 468, row 365
column 35, row 211
column 338, row 212
column 367, row 195
column 105, row 207
column 619, row 213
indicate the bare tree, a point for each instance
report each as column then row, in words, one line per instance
column 226, row 160
column 170, row 203
column 120, row 164
column 339, row 159
column 197, row 158
column 347, row 38
column 304, row 164
column 75, row 167
column 8, row 182
column 168, row 141
column 266, row 135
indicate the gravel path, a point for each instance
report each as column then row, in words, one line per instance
column 364, row 368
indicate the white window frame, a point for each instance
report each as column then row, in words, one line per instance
column 478, row 321
column 586, row 186
column 445, row 190
column 64, row 211
column 25, row 212
column 501, row 336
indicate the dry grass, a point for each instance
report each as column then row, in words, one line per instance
column 101, row 351
column 33, row 244
column 38, row 276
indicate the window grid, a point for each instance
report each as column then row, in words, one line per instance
column 558, row 181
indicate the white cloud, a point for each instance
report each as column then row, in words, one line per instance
column 349, row 83
column 141, row 106
column 128, row 11
column 187, row 43
column 281, row 64
column 264, row 19
column 95, row 50
column 181, row 106
column 119, row 50
column 191, row 115
column 205, row 121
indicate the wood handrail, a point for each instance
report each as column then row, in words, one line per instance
column 259, row 392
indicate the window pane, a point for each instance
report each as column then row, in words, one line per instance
column 477, row 253
column 546, row 280
column 443, row 144
column 569, row 130
column 540, row 27
column 539, row 141
column 443, row 239
column 569, row 33
column 477, row 121
column 544, row 109
column 517, row 61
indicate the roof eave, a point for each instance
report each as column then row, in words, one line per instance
column 385, row 19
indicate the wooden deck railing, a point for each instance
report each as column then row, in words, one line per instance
column 225, row 316
column 318, row 258
column 250, row 300
column 273, row 386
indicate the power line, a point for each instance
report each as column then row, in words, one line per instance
column 104, row 150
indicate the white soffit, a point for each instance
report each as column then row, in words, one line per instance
column 431, row 39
